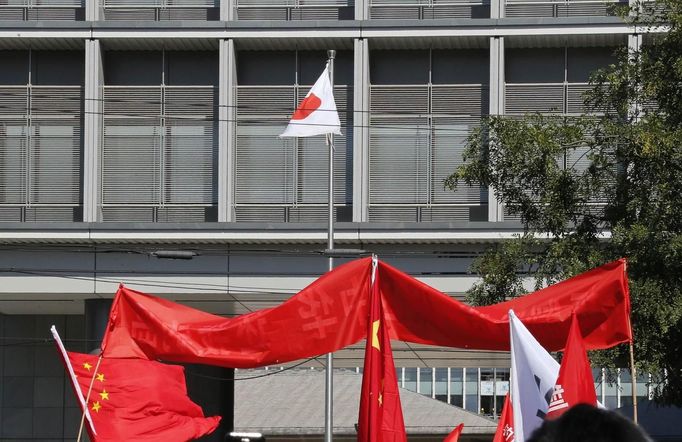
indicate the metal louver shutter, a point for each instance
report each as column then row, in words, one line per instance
column 574, row 97
column 524, row 98
column 56, row 10
column 313, row 159
column 531, row 8
column 40, row 153
column 457, row 109
column 160, row 10
column 448, row 142
column 293, row 9
column 288, row 173
column 264, row 166
column 190, row 149
column 159, row 153
column 428, row 9
column 264, row 162
column 417, row 137
column 544, row 8
column 131, row 145
column 56, row 145
column 42, row 10
column 399, row 145
column 13, row 148
column 398, row 163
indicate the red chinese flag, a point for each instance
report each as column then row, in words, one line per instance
column 135, row 399
column 575, row 384
column 381, row 416
column 454, row 436
column 505, row 427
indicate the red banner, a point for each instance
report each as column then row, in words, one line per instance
column 599, row 298
column 328, row 315
column 332, row 313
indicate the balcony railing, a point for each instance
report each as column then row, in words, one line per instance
column 295, row 9
column 428, row 9
column 161, row 10
column 26, row 10
column 562, row 8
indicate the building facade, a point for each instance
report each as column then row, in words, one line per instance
column 133, row 127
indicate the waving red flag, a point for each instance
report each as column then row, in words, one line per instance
column 575, row 384
column 134, row 399
column 505, row 427
column 381, row 416
column 331, row 314
column 454, row 435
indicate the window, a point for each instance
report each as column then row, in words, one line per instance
column 285, row 179
column 159, row 147
column 40, row 136
column 421, row 113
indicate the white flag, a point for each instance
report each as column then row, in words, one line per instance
column 533, row 375
column 317, row 114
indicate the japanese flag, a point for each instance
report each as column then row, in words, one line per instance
column 317, row 114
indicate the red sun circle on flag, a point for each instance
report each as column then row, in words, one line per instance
column 309, row 105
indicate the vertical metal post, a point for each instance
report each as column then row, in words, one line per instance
column 633, row 380
column 329, row 378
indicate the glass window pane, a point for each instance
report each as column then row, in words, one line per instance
column 441, row 381
column 456, row 385
column 425, row 381
column 471, row 397
column 471, row 403
column 411, row 378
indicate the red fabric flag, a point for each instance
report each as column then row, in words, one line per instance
column 381, row 415
column 135, row 399
column 505, row 427
column 326, row 316
column 575, row 384
column 599, row 297
column 454, row 435
column 331, row 313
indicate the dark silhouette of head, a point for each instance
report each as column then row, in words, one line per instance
column 586, row 423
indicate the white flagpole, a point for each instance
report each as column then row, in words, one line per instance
column 329, row 376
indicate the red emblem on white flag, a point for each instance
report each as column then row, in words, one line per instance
column 317, row 114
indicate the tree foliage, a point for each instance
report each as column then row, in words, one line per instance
column 595, row 188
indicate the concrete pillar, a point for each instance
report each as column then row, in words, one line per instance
column 96, row 319
column 227, row 10
column 361, row 131
column 362, row 9
column 93, row 10
column 497, row 8
column 213, row 389
column 496, row 95
column 227, row 126
column 92, row 130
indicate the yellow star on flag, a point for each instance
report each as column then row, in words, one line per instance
column 87, row 366
column 105, row 395
column 100, row 377
column 375, row 334
column 96, row 406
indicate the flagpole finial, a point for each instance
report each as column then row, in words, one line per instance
column 331, row 54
